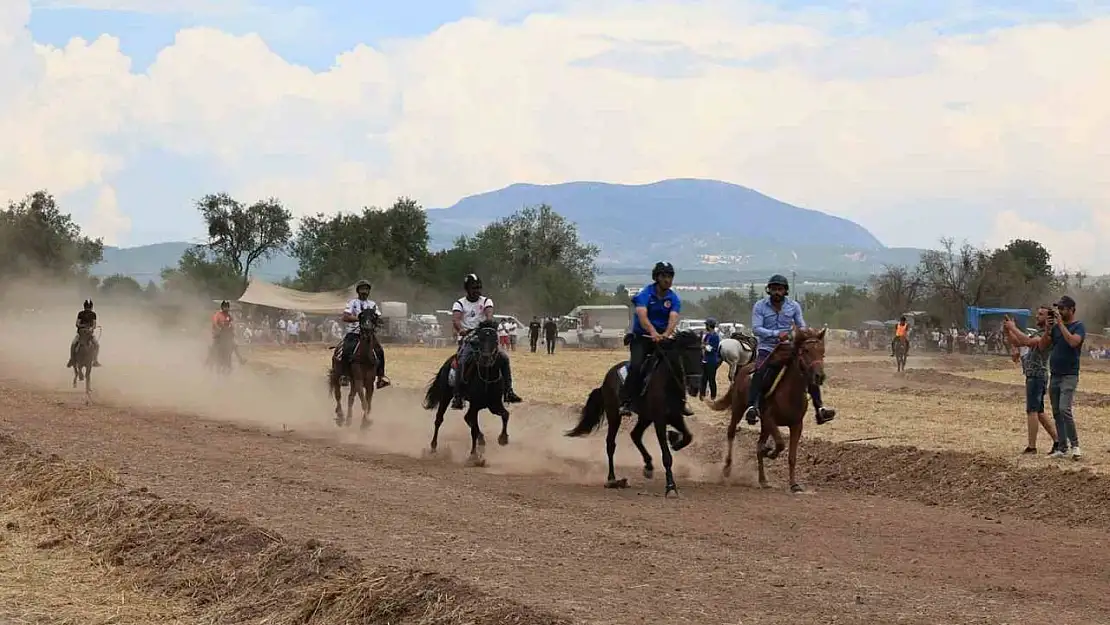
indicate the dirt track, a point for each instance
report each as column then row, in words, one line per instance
column 721, row 554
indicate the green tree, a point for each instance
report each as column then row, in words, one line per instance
column 335, row 252
column 119, row 285
column 727, row 306
column 1033, row 258
column 36, row 236
column 200, row 272
column 897, row 290
column 533, row 255
column 846, row 307
column 240, row 235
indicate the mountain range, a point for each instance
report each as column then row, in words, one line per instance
column 716, row 228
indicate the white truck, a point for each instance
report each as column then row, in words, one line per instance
column 578, row 328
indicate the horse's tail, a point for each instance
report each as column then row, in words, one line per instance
column 590, row 416
column 724, row 400
column 437, row 388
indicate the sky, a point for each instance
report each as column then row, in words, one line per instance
column 981, row 121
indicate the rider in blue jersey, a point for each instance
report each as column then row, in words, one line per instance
column 773, row 317
column 654, row 319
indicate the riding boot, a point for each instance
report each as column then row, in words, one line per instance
column 506, row 371
column 383, row 379
column 72, row 355
column 822, row 414
column 457, row 397
column 754, row 391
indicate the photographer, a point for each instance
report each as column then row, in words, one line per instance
column 1064, row 336
column 1034, row 365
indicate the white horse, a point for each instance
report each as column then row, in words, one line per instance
column 736, row 352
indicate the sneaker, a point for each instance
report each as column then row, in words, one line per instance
column 1058, row 453
column 511, row 397
column 1076, row 454
column 457, row 402
column 626, row 409
column 751, row 415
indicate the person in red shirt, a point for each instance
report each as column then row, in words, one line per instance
column 222, row 322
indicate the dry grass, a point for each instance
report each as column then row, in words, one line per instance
column 224, row 570
column 926, row 408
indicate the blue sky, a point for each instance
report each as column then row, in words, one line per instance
column 980, row 120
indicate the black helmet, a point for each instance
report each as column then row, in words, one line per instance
column 779, row 280
column 711, row 323
column 363, row 283
column 88, row 304
column 472, row 279
column 224, row 304
column 662, row 268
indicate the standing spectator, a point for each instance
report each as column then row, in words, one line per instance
column 503, row 334
column 1064, row 337
column 1034, row 365
column 512, row 327
column 598, row 331
column 550, row 331
column 534, row 333
column 710, row 360
column 293, row 329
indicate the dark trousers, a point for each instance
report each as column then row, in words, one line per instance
column 551, row 344
column 533, row 340
column 638, row 351
column 709, row 379
column 350, row 343
column 765, row 375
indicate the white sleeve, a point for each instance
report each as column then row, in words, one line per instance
column 352, row 308
column 457, row 307
column 488, row 304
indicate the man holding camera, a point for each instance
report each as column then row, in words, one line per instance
column 1064, row 336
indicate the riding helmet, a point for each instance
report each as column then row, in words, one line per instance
column 363, row 283
column 662, row 268
column 472, row 279
column 88, row 304
column 224, row 304
column 779, row 280
column 711, row 323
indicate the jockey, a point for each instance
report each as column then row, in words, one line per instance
column 772, row 319
column 347, row 346
column 466, row 313
column 657, row 308
column 901, row 333
column 86, row 318
column 222, row 322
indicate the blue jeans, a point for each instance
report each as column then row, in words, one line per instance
column 1061, row 394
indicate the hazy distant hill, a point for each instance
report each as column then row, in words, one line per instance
column 696, row 224
column 693, row 223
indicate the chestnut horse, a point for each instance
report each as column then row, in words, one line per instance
column 361, row 370
column 784, row 403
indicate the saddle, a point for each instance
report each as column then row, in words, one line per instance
column 646, row 370
column 751, row 369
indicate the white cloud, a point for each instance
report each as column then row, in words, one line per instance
column 771, row 100
column 107, row 221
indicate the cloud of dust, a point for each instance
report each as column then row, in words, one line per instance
column 147, row 364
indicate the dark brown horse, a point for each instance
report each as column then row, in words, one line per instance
column 361, row 370
column 675, row 370
column 483, row 389
column 786, row 403
column 901, row 350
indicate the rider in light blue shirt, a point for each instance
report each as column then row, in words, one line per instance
column 773, row 317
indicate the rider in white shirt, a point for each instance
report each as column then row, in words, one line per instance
column 350, row 341
column 466, row 313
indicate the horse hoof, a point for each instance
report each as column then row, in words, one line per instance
column 649, row 473
column 727, row 471
column 764, row 485
column 671, row 490
column 428, row 452
column 503, row 440
column 475, row 461
column 797, row 489
column 365, row 425
column 621, row 483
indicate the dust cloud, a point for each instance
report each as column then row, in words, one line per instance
column 149, row 364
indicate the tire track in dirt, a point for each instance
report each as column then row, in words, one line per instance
column 720, row 554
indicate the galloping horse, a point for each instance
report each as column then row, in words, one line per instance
column 484, row 388
column 672, row 372
column 83, row 360
column 361, row 370
column 223, row 345
column 901, row 349
column 737, row 350
column 785, row 401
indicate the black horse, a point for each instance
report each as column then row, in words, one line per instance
column 483, row 388
column 219, row 354
column 670, row 373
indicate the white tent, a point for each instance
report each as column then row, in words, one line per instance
column 262, row 293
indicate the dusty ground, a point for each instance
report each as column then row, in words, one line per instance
column 889, row 534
